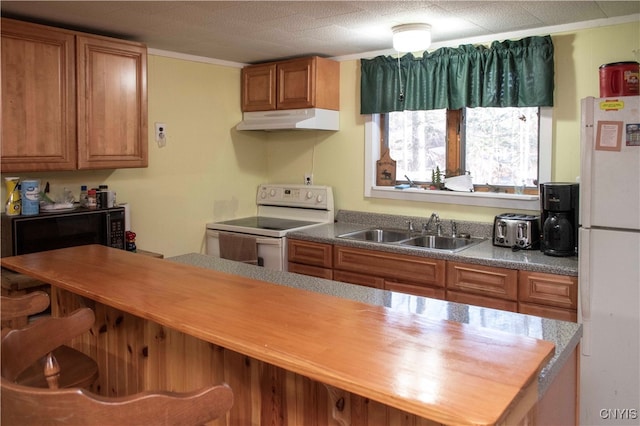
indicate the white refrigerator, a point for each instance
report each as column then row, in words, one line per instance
column 609, row 261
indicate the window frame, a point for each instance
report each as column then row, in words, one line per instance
column 373, row 142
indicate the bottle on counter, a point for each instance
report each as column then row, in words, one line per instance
column 102, row 196
column 92, row 201
column 84, row 196
column 13, row 204
column 130, row 238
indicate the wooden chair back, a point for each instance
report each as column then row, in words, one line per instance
column 22, row 405
column 28, row 304
column 23, row 347
column 12, row 307
column 62, row 367
column 25, row 405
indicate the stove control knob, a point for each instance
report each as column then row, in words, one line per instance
column 272, row 193
column 319, row 199
column 309, row 195
column 263, row 194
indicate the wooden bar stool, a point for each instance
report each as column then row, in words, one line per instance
column 25, row 405
column 79, row 370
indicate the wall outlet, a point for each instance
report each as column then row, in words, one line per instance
column 161, row 134
column 308, row 179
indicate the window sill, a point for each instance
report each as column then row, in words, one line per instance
column 485, row 199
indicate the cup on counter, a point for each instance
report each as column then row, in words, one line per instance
column 111, row 199
column 105, row 199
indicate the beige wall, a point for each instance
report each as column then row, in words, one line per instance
column 337, row 158
column 208, row 171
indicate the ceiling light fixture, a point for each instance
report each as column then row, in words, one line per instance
column 411, row 37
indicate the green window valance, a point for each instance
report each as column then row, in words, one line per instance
column 507, row 74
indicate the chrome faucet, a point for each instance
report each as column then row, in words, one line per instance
column 409, row 225
column 454, row 229
column 433, row 218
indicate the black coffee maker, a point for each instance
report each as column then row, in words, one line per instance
column 559, row 218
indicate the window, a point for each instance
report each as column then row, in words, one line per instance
column 497, row 146
column 375, row 136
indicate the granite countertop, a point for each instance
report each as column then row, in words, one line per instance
column 484, row 253
column 565, row 335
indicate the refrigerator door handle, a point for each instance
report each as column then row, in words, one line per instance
column 585, row 289
column 586, row 152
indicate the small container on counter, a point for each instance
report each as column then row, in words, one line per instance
column 84, row 196
column 92, row 202
column 130, row 238
column 13, row 206
column 30, row 195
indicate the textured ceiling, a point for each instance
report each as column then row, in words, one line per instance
column 255, row 31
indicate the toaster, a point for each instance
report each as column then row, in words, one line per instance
column 517, row 231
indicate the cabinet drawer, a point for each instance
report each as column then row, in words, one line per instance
column 360, row 279
column 416, row 290
column 484, row 301
column 483, row 280
column 548, row 312
column 310, row 253
column 312, row 271
column 549, row 289
column 390, row 265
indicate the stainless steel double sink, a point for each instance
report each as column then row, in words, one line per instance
column 412, row 239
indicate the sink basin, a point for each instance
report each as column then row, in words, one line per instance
column 378, row 235
column 441, row 243
column 399, row 237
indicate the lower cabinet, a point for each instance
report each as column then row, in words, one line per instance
column 310, row 258
column 360, row 279
column 420, row 276
column 534, row 293
column 548, row 295
column 416, row 290
column 482, row 286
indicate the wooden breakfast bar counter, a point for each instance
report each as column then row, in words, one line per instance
column 292, row 356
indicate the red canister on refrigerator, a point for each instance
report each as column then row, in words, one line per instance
column 619, row 79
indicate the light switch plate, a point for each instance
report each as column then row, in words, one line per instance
column 161, row 134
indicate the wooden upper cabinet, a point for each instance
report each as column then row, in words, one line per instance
column 71, row 100
column 312, row 82
column 38, row 98
column 112, row 107
column 259, row 87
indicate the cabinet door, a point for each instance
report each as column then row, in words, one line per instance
column 483, row 280
column 484, row 301
column 570, row 315
column 312, row 271
column 416, row 290
column 296, row 84
column 112, row 103
column 400, row 267
column 548, row 289
column 310, row 253
column 259, row 87
column 38, row 98
column 360, row 279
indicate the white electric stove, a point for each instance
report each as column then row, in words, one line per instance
column 281, row 209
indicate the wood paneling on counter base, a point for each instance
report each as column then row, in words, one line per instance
column 134, row 354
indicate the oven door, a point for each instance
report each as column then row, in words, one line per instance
column 271, row 250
